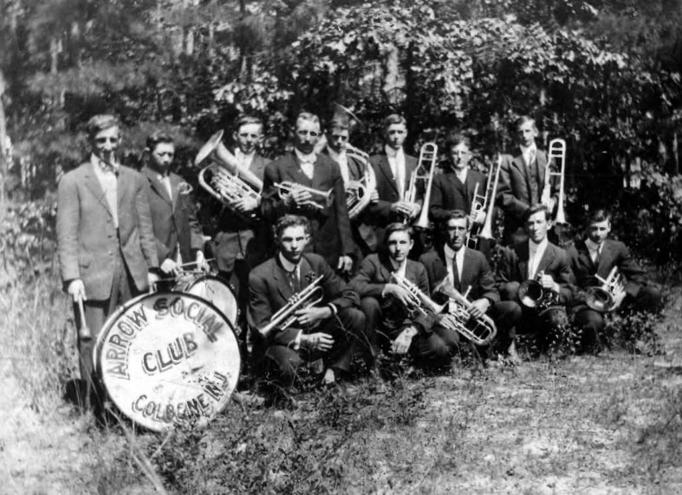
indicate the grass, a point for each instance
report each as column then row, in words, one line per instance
column 581, row 424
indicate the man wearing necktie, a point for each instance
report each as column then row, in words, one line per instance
column 540, row 260
column 331, row 235
column 467, row 270
column 179, row 239
column 597, row 255
column 105, row 242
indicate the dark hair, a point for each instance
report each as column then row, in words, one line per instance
column 391, row 228
column 393, row 119
column 455, row 215
column 536, row 208
column 311, row 117
column 157, row 137
column 599, row 215
column 245, row 120
column 99, row 123
column 524, row 119
column 455, row 137
column 291, row 221
column 341, row 122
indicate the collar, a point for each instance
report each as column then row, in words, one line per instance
column 305, row 158
column 528, row 149
column 288, row 266
column 450, row 253
column 391, row 153
column 337, row 157
column 593, row 246
column 102, row 165
column 244, row 157
column 541, row 246
column 400, row 266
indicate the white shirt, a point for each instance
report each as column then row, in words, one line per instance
column 342, row 159
column 289, row 267
column 243, row 159
column 396, row 160
column 594, row 249
column 107, row 176
column 529, row 154
column 462, row 174
column 306, row 162
column 165, row 180
column 459, row 262
column 535, row 253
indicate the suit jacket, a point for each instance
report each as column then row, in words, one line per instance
column 375, row 272
column 476, row 274
column 269, row 291
column 554, row 262
column 515, row 191
column 86, row 235
column 613, row 253
column 448, row 193
column 331, row 233
column 173, row 219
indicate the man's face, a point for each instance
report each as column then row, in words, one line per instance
column 537, row 226
column 456, row 232
column 395, row 135
column 306, row 136
column 461, row 155
column 247, row 137
column 292, row 242
column 527, row 133
column 399, row 245
column 337, row 139
column 105, row 143
column 162, row 156
column 598, row 231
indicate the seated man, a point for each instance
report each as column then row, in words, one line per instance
column 323, row 331
column 596, row 256
column 546, row 267
column 391, row 311
column 467, row 270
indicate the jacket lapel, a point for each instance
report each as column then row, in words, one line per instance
column 546, row 259
column 385, row 169
column 95, row 187
column 156, row 185
column 281, row 279
column 605, row 259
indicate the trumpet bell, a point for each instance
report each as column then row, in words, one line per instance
column 530, row 293
column 600, row 299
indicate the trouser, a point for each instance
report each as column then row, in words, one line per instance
column 544, row 325
column 285, row 361
column 506, row 315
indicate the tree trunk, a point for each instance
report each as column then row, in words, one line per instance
column 4, row 160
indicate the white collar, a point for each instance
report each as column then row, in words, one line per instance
column 528, row 149
column 593, row 246
column 100, row 164
column 451, row 253
column 337, row 157
column 244, row 156
column 537, row 247
column 400, row 268
column 392, row 153
column 288, row 265
column 310, row 158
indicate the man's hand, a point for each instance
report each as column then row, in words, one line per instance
column 309, row 316
column 345, row 264
column 374, row 196
column 301, row 196
column 318, row 341
column 403, row 341
column 201, row 262
column 478, row 217
column 547, row 282
column 76, row 289
column 247, row 204
column 152, row 279
column 400, row 293
column 403, row 208
column 416, row 208
column 170, row 267
column 479, row 307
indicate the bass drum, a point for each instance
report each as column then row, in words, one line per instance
column 213, row 289
column 167, row 359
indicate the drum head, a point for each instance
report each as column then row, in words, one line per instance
column 217, row 292
column 168, row 359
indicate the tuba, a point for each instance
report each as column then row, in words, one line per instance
column 225, row 179
column 533, row 295
column 485, row 202
column 426, row 167
column 557, row 151
column 306, row 298
column 609, row 295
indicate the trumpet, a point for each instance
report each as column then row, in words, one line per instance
column 228, row 181
column 557, row 151
column 285, row 317
column 287, row 188
column 484, row 202
column 480, row 331
column 533, row 295
column 359, row 192
column 426, row 167
column 609, row 295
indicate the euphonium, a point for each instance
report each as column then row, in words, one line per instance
column 286, row 188
column 609, row 295
column 485, row 203
column 426, row 167
column 285, row 317
column 557, row 151
column 533, row 295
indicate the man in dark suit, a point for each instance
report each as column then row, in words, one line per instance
column 522, row 179
column 107, row 253
column 179, row 238
column 467, row 270
column 326, row 331
column 539, row 260
column 330, row 226
column 597, row 255
column 393, row 169
column 391, row 312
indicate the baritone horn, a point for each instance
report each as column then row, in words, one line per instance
column 304, row 299
column 556, row 153
column 425, row 170
column 609, row 295
column 485, row 202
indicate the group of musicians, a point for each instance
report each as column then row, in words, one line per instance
column 383, row 289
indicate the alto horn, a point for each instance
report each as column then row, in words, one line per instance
column 534, row 296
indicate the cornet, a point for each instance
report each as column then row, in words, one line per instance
column 557, row 151
column 306, row 298
column 609, row 295
column 424, row 171
column 287, row 188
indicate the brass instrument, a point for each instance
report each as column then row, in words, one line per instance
column 420, row 301
column 557, row 151
column 426, row 167
column 480, row 331
column 228, row 181
column 359, row 192
column 285, row 317
column 287, row 188
column 484, row 202
column 533, row 295
column 609, row 295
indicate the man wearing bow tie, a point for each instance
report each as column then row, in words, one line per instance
column 597, row 255
column 179, row 238
column 106, row 247
column 331, row 235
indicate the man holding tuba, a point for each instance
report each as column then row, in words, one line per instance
column 595, row 258
column 322, row 329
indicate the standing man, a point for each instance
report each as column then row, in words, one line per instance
column 597, row 255
column 330, row 226
column 179, row 238
column 326, row 330
column 107, row 253
column 467, row 270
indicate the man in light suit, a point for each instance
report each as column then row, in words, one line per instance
column 331, row 235
column 179, row 238
column 106, row 247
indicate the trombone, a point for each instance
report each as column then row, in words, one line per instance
column 556, row 152
column 484, row 202
column 424, row 171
